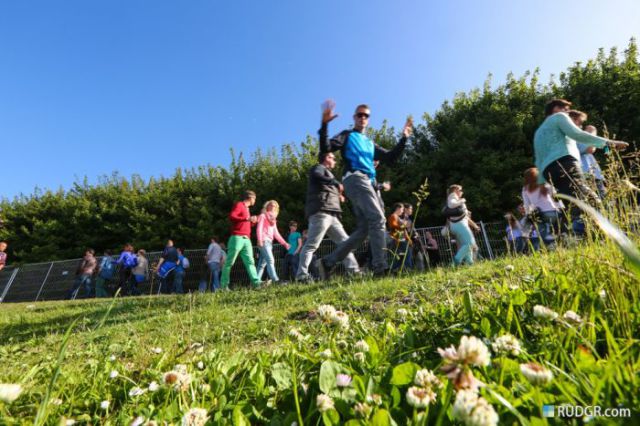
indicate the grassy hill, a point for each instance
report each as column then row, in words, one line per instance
column 278, row 356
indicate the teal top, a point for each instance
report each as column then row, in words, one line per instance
column 556, row 138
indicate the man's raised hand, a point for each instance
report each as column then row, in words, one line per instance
column 327, row 111
column 408, row 127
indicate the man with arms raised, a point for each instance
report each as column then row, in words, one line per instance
column 359, row 153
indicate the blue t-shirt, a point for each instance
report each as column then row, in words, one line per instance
column 359, row 153
column 292, row 239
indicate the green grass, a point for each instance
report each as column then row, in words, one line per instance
column 256, row 372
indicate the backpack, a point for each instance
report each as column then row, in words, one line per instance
column 107, row 269
column 449, row 212
column 130, row 261
column 185, row 263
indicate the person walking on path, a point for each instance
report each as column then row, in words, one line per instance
column 181, row 267
column 540, row 206
column 215, row 259
column 460, row 227
column 292, row 258
column 127, row 261
column 166, row 267
column 399, row 233
column 240, row 241
column 106, row 271
column 323, row 212
column 266, row 232
column 558, row 157
column 359, row 153
column 140, row 272
column 85, row 272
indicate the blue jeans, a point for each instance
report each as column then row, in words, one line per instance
column 549, row 226
column 214, row 280
column 465, row 241
column 84, row 281
column 177, row 282
column 266, row 260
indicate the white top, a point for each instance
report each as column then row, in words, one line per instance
column 535, row 199
column 453, row 201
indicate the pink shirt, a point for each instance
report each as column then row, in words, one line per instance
column 268, row 230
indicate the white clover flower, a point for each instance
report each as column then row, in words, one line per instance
column 342, row 344
column 402, row 313
column 136, row 391
column 426, row 379
column 177, row 379
column 544, row 313
column 507, row 344
column 195, row 417
column 363, row 410
column 602, row 294
column 200, row 365
column 112, row 358
column 9, row 392
column 420, row 397
column 536, row 373
column 153, row 386
column 69, row 422
column 509, row 268
column 324, row 403
column 362, row 346
column 294, row 333
column 105, row 405
column 325, row 312
column 340, row 319
column 572, row 317
column 113, row 374
column 473, row 351
column 137, row 421
column 326, row 354
column 181, row 368
column 374, row 399
column 466, row 401
column 360, row 357
column 343, row 380
column 483, row 414
column 156, row 350
column 449, row 354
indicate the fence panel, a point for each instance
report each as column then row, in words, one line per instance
column 54, row 280
column 27, row 283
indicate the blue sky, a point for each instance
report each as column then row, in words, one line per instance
column 143, row 87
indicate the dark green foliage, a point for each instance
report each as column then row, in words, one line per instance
column 481, row 139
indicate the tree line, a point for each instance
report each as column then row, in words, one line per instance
column 481, row 139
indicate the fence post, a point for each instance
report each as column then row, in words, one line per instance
column 486, row 240
column 43, row 282
column 6, row 289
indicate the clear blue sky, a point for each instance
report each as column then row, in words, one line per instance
column 92, row 87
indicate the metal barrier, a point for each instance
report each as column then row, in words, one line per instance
column 54, row 280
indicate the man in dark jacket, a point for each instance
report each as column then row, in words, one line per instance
column 322, row 209
column 359, row 153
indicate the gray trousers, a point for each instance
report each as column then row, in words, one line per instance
column 321, row 224
column 370, row 221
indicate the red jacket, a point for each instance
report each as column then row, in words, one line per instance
column 239, row 217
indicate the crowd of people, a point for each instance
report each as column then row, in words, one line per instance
column 563, row 152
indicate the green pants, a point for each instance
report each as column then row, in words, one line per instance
column 239, row 245
column 101, row 291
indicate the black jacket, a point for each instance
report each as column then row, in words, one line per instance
column 323, row 193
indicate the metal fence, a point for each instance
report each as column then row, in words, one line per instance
column 54, row 280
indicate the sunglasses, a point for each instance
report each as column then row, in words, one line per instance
column 362, row 115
